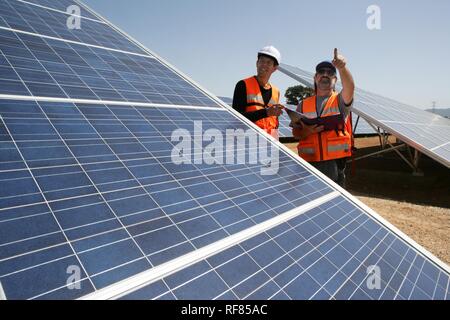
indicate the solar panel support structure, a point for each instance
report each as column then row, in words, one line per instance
column 386, row 147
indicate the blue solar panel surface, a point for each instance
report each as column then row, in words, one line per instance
column 61, row 5
column 114, row 162
column 24, row 17
column 322, row 254
column 93, row 187
column 35, row 66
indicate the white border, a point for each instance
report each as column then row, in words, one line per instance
column 421, row 148
column 143, row 279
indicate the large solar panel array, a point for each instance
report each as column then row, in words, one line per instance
column 424, row 131
column 92, row 205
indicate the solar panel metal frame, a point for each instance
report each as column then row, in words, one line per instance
column 373, row 120
column 111, row 292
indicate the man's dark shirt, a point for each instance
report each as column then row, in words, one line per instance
column 240, row 102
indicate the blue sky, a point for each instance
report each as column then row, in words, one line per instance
column 215, row 42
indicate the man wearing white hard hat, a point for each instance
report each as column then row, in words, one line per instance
column 256, row 98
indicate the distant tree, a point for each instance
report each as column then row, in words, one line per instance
column 295, row 94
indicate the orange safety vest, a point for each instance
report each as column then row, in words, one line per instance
column 255, row 102
column 325, row 145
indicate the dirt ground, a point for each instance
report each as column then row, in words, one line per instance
column 419, row 205
column 429, row 226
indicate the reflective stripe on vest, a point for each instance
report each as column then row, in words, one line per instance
column 258, row 99
column 338, row 147
column 307, row 150
column 311, row 115
column 331, row 111
column 325, row 145
column 255, row 102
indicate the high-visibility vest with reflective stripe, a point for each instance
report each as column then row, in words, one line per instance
column 325, row 145
column 255, row 102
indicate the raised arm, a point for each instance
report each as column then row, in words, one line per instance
column 348, row 84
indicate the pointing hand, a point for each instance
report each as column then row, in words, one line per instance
column 339, row 61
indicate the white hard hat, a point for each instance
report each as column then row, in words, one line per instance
column 272, row 52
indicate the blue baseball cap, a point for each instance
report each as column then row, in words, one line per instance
column 325, row 64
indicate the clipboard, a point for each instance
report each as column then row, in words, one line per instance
column 335, row 122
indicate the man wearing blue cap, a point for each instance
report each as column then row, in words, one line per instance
column 327, row 150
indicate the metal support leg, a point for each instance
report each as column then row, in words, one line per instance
column 386, row 146
column 416, row 159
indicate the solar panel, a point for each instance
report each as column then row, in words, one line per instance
column 22, row 16
column 424, row 131
column 61, row 5
column 362, row 127
column 322, row 254
column 92, row 204
column 227, row 100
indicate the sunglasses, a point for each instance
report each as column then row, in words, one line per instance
column 328, row 72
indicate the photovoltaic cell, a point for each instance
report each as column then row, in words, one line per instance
column 90, row 188
column 25, row 17
column 426, row 132
column 61, row 5
column 42, row 67
column 324, row 253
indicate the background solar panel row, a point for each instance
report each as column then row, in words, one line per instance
column 25, row 17
column 31, row 65
column 322, row 254
column 427, row 132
